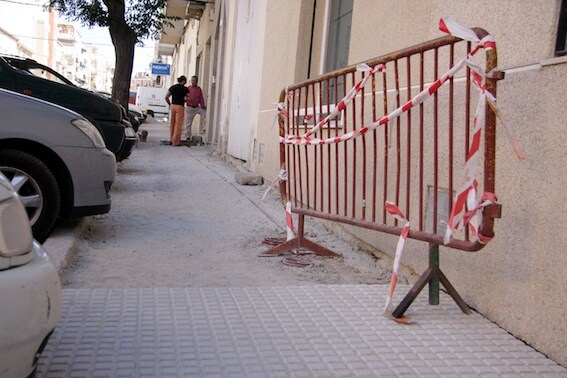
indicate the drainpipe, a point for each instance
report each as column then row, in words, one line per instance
column 324, row 38
column 311, row 43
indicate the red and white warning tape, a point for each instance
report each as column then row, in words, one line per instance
column 289, row 221
column 486, row 43
column 282, row 176
column 394, row 211
column 467, row 209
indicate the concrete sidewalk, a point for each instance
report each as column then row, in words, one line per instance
column 293, row 331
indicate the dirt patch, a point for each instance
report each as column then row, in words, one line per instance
column 178, row 218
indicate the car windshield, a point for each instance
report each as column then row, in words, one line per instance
column 39, row 70
column 45, row 73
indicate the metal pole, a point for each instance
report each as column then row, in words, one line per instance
column 434, row 281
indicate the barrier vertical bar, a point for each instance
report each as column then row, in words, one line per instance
column 294, row 148
column 451, row 102
column 467, row 121
column 320, row 149
column 337, row 177
column 300, row 178
column 345, row 151
column 307, row 180
column 398, row 137
column 317, row 148
column 364, row 158
column 386, row 143
column 327, row 102
column 375, row 149
column 435, row 142
column 287, row 130
column 434, row 251
column 421, row 136
column 354, row 159
column 408, row 127
column 282, row 125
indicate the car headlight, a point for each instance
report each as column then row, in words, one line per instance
column 90, row 131
column 15, row 231
column 129, row 132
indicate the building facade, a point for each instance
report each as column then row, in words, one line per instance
column 245, row 52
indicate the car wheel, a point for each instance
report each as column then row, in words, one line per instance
column 37, row 188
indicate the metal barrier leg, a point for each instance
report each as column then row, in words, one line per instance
column 281, row 248
column 433, row 275
column 453, row 293
column 299, row 241
column 434, row 281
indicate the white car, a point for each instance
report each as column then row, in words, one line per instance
column 56, row 160
column 30, row 289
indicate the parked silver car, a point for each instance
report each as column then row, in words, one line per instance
column 30, row 295
column 55, row 159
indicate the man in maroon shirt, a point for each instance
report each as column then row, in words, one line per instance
column 194, row 104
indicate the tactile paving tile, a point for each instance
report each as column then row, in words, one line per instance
column 292, row 331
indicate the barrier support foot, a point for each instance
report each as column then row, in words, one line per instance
column 297, row 242
column 433, row 275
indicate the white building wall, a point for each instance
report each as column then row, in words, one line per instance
column 247, row 76
column 225, row 25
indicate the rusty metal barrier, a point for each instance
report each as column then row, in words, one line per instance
column 417, row 161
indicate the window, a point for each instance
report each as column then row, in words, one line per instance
column 560, row 48
column 197, row 65
column 338, row 41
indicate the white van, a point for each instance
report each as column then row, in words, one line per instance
column 152, row 100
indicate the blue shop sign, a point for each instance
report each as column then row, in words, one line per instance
column 160, row 69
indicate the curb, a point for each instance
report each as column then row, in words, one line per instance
column 62, row 244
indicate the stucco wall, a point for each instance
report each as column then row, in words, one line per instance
column 519, row 279
column 278, row 70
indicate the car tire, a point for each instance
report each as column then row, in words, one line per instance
column 37, row 187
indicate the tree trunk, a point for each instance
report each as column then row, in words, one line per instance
column 124, row 40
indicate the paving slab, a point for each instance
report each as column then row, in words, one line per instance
column 291, row 331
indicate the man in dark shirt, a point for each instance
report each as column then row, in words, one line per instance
column 195, row 104
column 177, row 93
